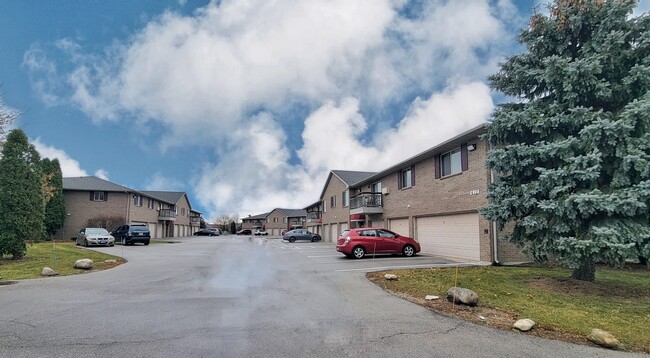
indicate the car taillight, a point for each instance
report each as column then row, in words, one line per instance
column 347, row 239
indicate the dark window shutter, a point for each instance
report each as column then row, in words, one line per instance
column 436, row 164
column 412, row 175
column 92, row 195
column 105, row 196
column 464, row 163
column 399, row 180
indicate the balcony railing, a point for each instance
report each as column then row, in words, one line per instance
column 314, row 216
column 367, row 203
column 167, row 214
column 195, row 220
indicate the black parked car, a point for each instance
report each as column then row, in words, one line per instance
column 131, row 234
column 208, row 232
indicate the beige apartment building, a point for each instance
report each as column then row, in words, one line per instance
column 91, row 201
column 433, row 197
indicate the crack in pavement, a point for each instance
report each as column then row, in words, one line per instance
column 90, row 344
column 457, row 326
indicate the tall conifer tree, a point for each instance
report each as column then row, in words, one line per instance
column 22, row 206
column 572, row 154
column 53, row 192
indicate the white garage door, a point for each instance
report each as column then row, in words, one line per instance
column 334, row 233
column 344, row 226
column 326, row 232
column 152, row 230
column 455, row 236
column 400, row 226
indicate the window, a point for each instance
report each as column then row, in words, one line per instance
column 137, row 200
column 345, row 197
column 150, row 203
column 450, row 162
column 182, row 211
column 406, row 178
column 376, row 187
column 160, row 206
column 284, row 220
column 98, row 196
column 275, row 220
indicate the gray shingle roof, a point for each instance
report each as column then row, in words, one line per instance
column 256, row 217
column 293, row 213
column 92, row 183
column 171, row 197
column 350, row 177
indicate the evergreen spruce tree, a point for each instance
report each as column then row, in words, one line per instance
column 53, row 192
column 572, row 155
column 21, row 195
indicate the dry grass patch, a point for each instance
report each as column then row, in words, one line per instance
column 563, row 308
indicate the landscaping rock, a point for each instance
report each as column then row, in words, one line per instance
column 431, row 297
column 47, row 271
column 524, row 325
column 85, row 264
column 603, row 338
column 462, row 295
column 390, row 277
column 110, row 261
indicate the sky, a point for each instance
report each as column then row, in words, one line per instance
column 247, row 105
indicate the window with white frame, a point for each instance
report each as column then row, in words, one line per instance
column 98, row 196
column 345, row 198
column 450, row 162
column 333, row 201
column 150, row 203
column 376, row 187
column 182, row 211
column 137, row 200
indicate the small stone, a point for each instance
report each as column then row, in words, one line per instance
column 481, row 318
column 85, row 264
column 524, row 325
column 462, row 295
column 603, row 338
column 47, row 271
column 431, row 297
column 110, row 261
column 390, row 277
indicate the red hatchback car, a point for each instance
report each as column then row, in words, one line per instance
column 369, row 240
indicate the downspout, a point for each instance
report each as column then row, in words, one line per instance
column 128, row 207
column 495, row 246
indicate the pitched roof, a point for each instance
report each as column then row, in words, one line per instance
column 256, row 217
column 92, row 183
column 440, row 148
column 293, row 213
column 171, row 197
column 348, row 177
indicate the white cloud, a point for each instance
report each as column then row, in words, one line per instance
column 102, row 174
column 232, row 74
column 160, row 182
column 69, row 166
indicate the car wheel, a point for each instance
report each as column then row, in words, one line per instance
column 123, row 241
column 408, row 251
column 146, row 243
column 111, row 245
column 358, row 252
column 292, row 239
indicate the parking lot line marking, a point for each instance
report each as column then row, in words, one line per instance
column 312, row 257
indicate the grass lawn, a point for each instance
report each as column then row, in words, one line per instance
column 41, row 254
column 563, row 308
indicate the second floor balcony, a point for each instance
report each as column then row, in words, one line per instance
column 314, row 217
column 367, row 203
column 195, row 220
column 167, row 214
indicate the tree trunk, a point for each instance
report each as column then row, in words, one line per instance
column 585, row 272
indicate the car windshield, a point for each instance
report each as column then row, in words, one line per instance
column 96, row 231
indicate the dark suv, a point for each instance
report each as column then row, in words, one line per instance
column 130, row 234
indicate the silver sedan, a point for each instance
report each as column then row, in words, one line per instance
column 94, row 236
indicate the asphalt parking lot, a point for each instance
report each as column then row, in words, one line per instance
column 231, row 296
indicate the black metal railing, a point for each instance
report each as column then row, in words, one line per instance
column 167, row 214
column 314, row 215
column 366, row 200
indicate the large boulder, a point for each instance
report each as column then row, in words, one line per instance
column 603, row 338
column 524, row 325
column 47, row 271
column 85, row 264
column 462, row 295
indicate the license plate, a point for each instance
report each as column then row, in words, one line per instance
column 102, row 241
